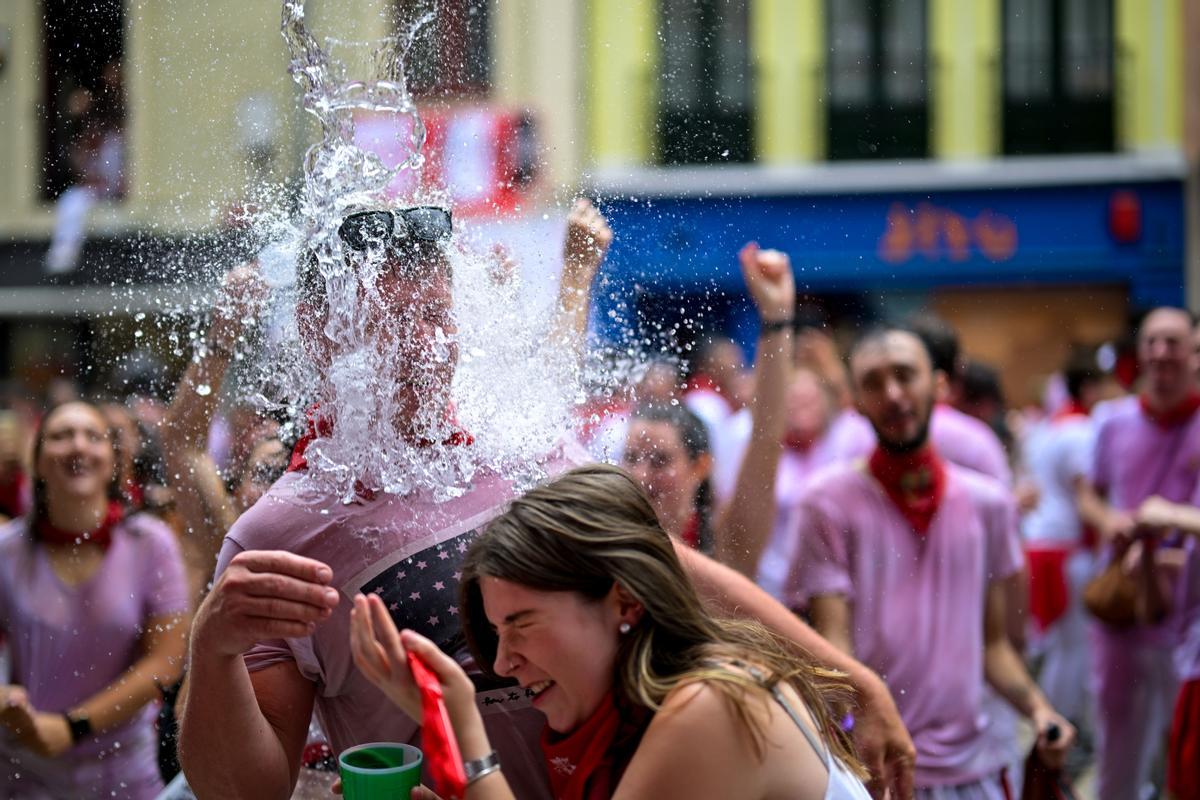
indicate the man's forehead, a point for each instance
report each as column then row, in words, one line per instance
column 893, row 346
column 1166, row 322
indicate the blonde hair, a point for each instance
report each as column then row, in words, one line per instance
column 594, row 527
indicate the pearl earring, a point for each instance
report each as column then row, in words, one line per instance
column 625, row 627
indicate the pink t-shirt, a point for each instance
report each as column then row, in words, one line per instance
column 917, row 602
column 1133, row 459
column 406, row 549
column 848, row 437
column 68, row 643
column 969, row 442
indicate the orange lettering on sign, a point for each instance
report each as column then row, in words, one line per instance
column 896, row 244
column 938, row 233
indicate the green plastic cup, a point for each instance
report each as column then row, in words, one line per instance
column 380, row 771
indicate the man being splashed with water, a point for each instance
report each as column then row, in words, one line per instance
column 272, row 638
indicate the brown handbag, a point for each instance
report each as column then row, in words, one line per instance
column 1111, row 596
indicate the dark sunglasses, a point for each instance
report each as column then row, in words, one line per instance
column 424, row 223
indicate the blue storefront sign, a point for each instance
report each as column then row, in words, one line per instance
column 1128, row 234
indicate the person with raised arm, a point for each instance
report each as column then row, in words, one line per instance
column 270, row 639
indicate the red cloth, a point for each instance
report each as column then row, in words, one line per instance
column 588, row 762
column 1072, row 408
column 691, row 532
column 102, row 535
column 1183, row 760
column 1171, row 417
column 915, row 482
column 701, row 382
column 443, row 759
column 15, row 494
column 321, row 427
column 1048, row 595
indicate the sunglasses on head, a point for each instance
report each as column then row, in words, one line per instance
column 423, row 223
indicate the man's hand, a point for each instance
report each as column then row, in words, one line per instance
column 1055, row 736
column 263, row 594
column 768, row 275
column 242, row 299
column 883, row 743
column 46, row 734
column 1118, row 527
column 588, row 238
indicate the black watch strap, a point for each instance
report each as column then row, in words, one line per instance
column 775, row 326
column 80, row 726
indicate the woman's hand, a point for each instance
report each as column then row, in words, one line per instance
column 43, row 733
column 381, row 653
column 768, row 275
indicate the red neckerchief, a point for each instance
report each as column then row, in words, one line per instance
column 1072, row 408
column 594, row 414
column 797, row 444
column 701, row 382
column 915, row 482
column 1171, row 417
column 690, row 535
column 321, row 427
column 102, row 535
column 134, row 494
column 588, row 762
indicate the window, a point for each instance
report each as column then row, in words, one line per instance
column 705, row 94
column 452, row 55
column 1058, row 76
column 877, row 70
column 83, row 120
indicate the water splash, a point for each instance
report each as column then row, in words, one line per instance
column 402, row 351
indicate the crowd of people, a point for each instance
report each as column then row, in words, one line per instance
column 840, row 572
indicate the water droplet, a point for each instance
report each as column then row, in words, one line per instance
column 204, row 390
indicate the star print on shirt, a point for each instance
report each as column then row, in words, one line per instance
column 413, row 589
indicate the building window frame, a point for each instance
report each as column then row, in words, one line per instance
column 705, row 111
column 1042, row 113
column 874, row 109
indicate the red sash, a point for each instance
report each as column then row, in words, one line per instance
column 102, row 535
column 321, row 427
column 915, row 482
column 1048, row 594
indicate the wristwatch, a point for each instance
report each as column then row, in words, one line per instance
column 476, row 768
column 80, row 725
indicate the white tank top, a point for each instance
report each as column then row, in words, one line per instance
column 842, row 783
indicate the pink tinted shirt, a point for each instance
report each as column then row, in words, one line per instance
column 1133, row 459
column 917, row 602
column 67, row 643
column 848, row 437
column 406, row 549
column 964, row 440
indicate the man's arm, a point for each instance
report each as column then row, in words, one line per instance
column 831, row 617
column 884, row 744
column 242, row 734
column 744, row 524
column 1005, row 671
column 1095, row 511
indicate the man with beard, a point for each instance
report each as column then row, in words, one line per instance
column 902, row 562
column 1148, row 445
column 272, row 637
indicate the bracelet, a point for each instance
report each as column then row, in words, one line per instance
column 775, row 326
column 476, row 768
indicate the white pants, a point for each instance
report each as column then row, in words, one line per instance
column 1065, row 646
column 1135, row 687
column 988, row 788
